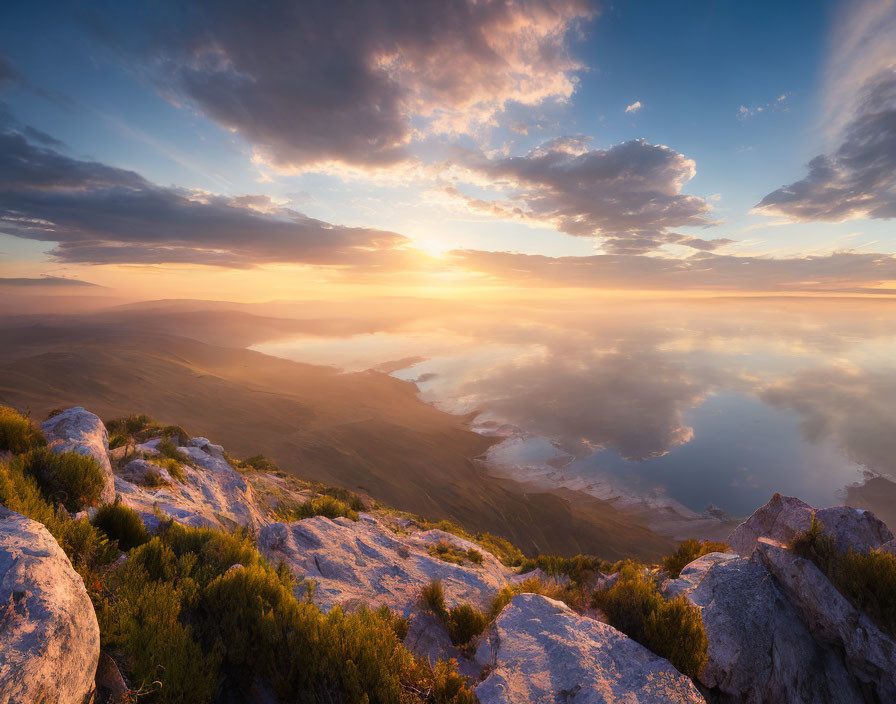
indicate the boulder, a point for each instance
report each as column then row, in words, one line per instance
column 852, row 528
column 77, row 430
column 870, row 654
column 539, row 650
column 759, row 651
column 49, row 638
column 364, row 561
column 207, row 447
column 889, row 547
column 142, row 472
column 783, row 517
column 693, row 572
column 780, row 519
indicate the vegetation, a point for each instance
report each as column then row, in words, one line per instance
column 503, row 549
column 260, row 463
column 580, row 569
column 121, row 523
column 17, row 433
column 463, row 622
column 689, row 551
column 168, row 449
column 867, row 580
column 447, row 552
column 320, row 506
column 172, row 466
column 671, row 629
column 72, row 479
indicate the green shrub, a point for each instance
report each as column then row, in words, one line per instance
column 529, row 586
column 448, row 687
column 464, row 623
column 432, row 596
column 580, row 569
column 502, row 549
column 173, row 467
column 689, row 551
column 17, row 433
column 129, row 425
column 867, row 580
column 447, row 552
column 168, row 449
column 326, row 506
column 474, row 556
column 121, row 523
column 75, row 480
column 259, row 463
column 671, row 629
column 21, row 493
column 116, row 441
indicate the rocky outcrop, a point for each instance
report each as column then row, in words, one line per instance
column 693, row 572
column 539, row 650
column 49, row 638
column 145, row 473
column 77, row 430
column 759, row 650
column 213, row 494
column 365, row 561
column 207, row 447
column 783, row 517
column 870, row 654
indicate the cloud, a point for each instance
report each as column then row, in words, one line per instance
column 858, row 180
column 779, row 103
column 50, row 281
column 308, row 83
column 634, row 107
column 630, row 194
column 856, row 177
column 841, row 271
column 8, row 73
column 101, row 214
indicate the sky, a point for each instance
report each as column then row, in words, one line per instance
column 256, row 151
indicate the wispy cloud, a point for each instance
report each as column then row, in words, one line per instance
column 634, row 107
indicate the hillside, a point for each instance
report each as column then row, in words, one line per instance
column 367, row 431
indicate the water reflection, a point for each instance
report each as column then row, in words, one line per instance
column 679, row 404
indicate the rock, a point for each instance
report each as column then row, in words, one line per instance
column 207, row 447
column 539, row 650
column 758, row 649
column 780, row 519
column 853, row 528
column 693, row 572
column 49, row 638
column 889, row 547
column 213, row 495
column 784, row 516
column 145, row 473
column 364, row 561
column 870, row 654
column 109, row 681
column 428, row 640
column 77, row 430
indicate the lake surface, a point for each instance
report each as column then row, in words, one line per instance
column 681, row 403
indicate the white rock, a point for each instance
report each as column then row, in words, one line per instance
column 853, row 529
column 207, row 447
column 870, row 654
column 541, row 651
column 759, row 650
column 364, row 561
column 693, row 572
column 49, row 638
column 77, row 430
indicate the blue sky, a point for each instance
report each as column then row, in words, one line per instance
column 736, row 94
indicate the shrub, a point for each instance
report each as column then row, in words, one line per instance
column 867, row 580
column 129, row 425
column 117, row 441
column 474, row 556
column 508, row 591
column 173, row 467
column 579, row 569
column 325, row 506
column 464, row 623
column 433, row 598
column 121, row 523
column 501, row 548
column 75, row 480
column 260, row 463
column 447, row 552
column 17, row 433
column 168, row 449
column 671, row 629
column 689, row 551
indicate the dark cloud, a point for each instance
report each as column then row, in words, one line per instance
column 317, row 81
column 50, row 281
column 704, row 270
column 8, row 73
column 629, row 194
column 858, row 179
column 101, row 214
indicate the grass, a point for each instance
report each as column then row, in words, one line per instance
column 319, row 506
column 671, row 629
column 580, row 569
column 168, row 449
column 259, row 463
column 689, row 551
column 122, row 524
column 172, row 466
column 447, row 552
column 462, row 622
column 70, row 478
column 17, row 433
column 867, row 580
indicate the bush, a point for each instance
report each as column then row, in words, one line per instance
column 121, row 523
column 75, row 480
column 579, row 569
column 172, row 466
column 259, row 463
column 689, row 551
column 433, row 598
column 447, row 552
column 474, row 556
column 464, row 623
column 325, row 506
column 671, row 629
column 504, row 550
column 17, row 433
column 529, row 586
column 867, row 580
column 129, row 425
column 168, row 449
